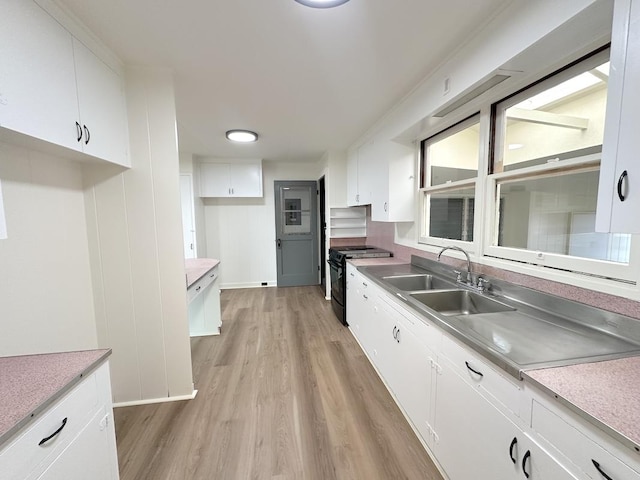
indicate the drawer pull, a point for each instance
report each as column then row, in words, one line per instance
column 473, row 370
column 514, row 442
column 597, row 465
column 46, row 439
column 198, row 289
column 524, row 463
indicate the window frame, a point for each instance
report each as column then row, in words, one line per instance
column 595, row 274
column 581, row 265
column 427, row 190
column 566, row 73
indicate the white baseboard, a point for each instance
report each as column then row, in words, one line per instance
column 231, row 286
column 150, row 401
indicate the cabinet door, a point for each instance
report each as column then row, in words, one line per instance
column 103, row 113
column 395, row 189
column 476, row 440
column 214, row 180
column 369, row 317
column 88, row 456
column 352, row 179
column 621, row 144
column 367, row 162
column 406, row 366
column 473, row 438
column 37, row 79
column 245, row 180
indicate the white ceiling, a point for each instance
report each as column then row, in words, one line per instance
column 307, row 80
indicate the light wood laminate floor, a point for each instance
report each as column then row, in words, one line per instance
column 285, row 392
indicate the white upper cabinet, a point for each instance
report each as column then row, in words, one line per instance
column 37, row 78
column 52, row 88
column 103, row 116
column 353, row 199
column 381, row 174
column 394, row 188
column 231, row 179
column 360, row 171
column 619, row 188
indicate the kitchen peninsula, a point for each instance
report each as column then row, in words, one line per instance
column 203, row 296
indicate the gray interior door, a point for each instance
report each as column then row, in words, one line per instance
column 296, row 233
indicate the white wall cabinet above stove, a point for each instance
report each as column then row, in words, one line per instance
column 619, row 188
column 393, row 183
column 52, row 88
column 381, row 173
column 231, row 179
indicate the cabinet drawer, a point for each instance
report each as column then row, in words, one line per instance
column 488, row 379
column 577, row 447
column 25, row 455
column 204, row 281
column 426, row 333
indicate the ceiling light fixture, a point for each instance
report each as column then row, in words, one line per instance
column 322, row 3
column 242, row 136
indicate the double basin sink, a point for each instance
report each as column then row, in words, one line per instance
column 442, row 297
column 515, row 327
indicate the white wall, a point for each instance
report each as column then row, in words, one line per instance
column 240, row 232
column 135, row 238
column 46, row 301
column 555, row 29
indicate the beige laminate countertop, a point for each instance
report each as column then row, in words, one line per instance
column 196, row 268
column 606, row 393
column 30, row 383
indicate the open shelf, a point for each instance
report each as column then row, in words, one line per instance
column 348, row 222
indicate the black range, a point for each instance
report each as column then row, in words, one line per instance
column 338, row 257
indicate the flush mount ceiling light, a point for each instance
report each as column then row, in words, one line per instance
column 242, row 136
column 322, row 3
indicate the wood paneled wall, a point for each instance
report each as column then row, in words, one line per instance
column 135, row 238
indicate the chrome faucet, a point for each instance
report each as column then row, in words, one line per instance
column 469, row 276
column 481, row 284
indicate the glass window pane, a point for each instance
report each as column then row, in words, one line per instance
column 451, row 214
column 568, row 117
column 556, row 214
column 296, row 214
column 454, row 157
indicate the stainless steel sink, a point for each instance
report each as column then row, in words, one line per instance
column 459, row 302
column 416, row 282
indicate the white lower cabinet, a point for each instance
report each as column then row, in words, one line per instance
column 92, row 442
column 570, row 437
column 477, row 421
column 405, row 363
column 362, row 312
column 204, row 305
column 74, row 439
column 477, row 441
